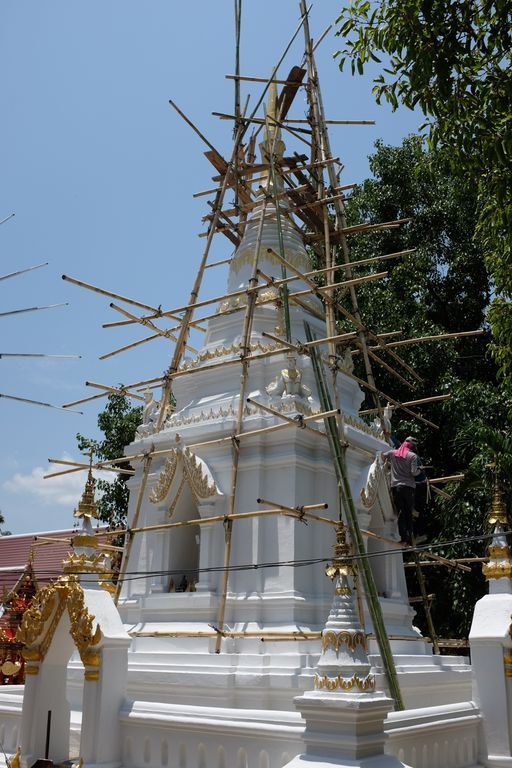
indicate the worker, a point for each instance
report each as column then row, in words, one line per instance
column 404, row 465
column 421, row 500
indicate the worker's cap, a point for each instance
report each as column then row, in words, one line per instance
column 411, row 440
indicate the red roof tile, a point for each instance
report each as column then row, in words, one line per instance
column 15, row 552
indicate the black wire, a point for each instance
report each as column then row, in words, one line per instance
column 137, row 575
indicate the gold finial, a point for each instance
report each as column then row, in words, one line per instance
column 498, row 512
column 87, row 504
column 341, row 564
column 499, row 565
column 15, row 760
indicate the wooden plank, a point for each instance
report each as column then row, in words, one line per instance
column 287, row 95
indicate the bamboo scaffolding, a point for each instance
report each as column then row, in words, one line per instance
column 188, row 316
column 277, row 283
column 245, row 353
column 355, row 320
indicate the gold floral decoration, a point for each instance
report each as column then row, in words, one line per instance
column 337, row 639
column 49, row 603
column 345, row 683
column 165, row 479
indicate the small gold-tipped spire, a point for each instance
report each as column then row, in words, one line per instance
column 87, row 504
column 498, row 512
column 499, row 565
column 341, row 563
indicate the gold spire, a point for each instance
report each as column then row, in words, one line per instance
column 499, row 565
column 498, row 512
column 341, row 563
column 87, row 504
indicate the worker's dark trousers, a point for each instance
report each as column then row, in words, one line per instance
column 403, row 498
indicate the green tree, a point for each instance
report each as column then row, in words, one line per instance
column 118, row 422
column 441, row 287
column 453, row 61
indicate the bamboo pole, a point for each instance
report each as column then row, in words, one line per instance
column 426, row 599
column 421, row 401
column 436, row 337
column 365, row 571
column 355, row 320
column 447, row 479
column 406, row 548
column 112, row 295
column 90, row 466
column 130, row 346
column 129, row 543
column 245, row 352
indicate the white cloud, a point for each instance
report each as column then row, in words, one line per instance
column 64, row 490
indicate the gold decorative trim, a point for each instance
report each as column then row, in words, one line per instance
column 165, row 479
column 345, row 684
column 499, row 552
column 200, row 481
column 92, row 674
column 81, row 620
column 337, row 639
column 29, row 670
column 31, row 654
column 37, row 615
column 50, row 602
column 362, row 426
column 233, row 349
column 91, row 658
column 46, row 642
column 497, row 570
column 221, row 413
column 78, row 563
column 84, row 540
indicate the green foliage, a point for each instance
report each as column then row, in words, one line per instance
column 441, row 287
column 453, row 61
column 118, row 422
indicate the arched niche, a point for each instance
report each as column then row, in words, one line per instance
column 186, row 490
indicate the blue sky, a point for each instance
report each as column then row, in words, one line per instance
column 100, row 172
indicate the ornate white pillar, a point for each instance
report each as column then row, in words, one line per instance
column 344, row 714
